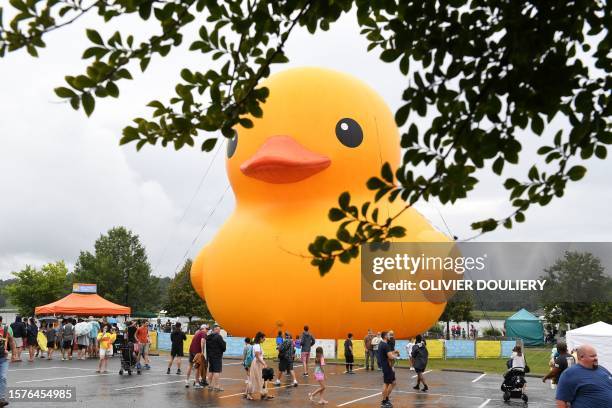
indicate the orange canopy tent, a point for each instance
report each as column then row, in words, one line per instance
column 84, row 305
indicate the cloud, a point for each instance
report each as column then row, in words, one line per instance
column 65, row 180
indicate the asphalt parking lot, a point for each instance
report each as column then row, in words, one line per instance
column 154, row 388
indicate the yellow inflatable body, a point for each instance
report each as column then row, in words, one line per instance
column 322, row 133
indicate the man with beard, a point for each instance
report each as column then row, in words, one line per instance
column 585, row 385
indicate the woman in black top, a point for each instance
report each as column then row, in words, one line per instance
column 32, row 334
column 177, row 337
column 348, row 353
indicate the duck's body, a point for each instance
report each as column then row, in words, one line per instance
column 256, row 273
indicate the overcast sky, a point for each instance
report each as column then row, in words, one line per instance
column 65, row 180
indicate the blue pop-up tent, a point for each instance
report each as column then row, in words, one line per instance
column 526, row 326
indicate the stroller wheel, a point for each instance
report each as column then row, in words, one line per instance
column 138, row 372
column 121, row 372
column 129, row 372
column 525, row 397
column 506, row 396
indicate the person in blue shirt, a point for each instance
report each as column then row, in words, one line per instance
column 586, row 384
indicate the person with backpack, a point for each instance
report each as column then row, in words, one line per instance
column 67, row 339
column 247, row 360
column 177, row 338
column 32, row 335
column 19, row 333
column 307, row 340
column 285, row 360
column 420, row 355
column 5, row 340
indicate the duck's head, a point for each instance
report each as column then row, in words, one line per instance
column 322, row 132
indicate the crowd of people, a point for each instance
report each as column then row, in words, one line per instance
column 207, row 348
column 94, row 338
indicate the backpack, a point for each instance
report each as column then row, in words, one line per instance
column 248, row 360
column 3, row 334
column 284, row 350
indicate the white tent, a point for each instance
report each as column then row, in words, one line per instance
column 599, row 335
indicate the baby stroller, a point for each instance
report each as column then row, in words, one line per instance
column 514, row 385
column 128, row 358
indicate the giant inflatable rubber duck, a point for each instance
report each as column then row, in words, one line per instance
column 322, row 133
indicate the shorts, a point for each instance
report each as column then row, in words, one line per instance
column 105, row 353
column 67, row 344
column 349, row 358
column 177, row 352
column 215, row 365
column 319, row 376
column 82, row 346
column 389, row 376
column 18, row 342
column 285, row 365
column 191, row 357
column 144, row 348
column 50, row 344
column 305, row 355
column 419, row 370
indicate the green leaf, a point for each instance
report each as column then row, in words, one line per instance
column 112, row 89
column 537, row 124
column 208, row 145
column 344, row 200
column 386, row 173
column 396, row 232
column 89, row 103
column 63, row 92
column 498, row 165
column 94, row 37
column 576, row 173
column 601, row 152
column 335, row 214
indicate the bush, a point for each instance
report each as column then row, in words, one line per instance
column 491, row 332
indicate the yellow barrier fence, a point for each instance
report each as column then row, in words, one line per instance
column 153, row 337
column 435, row 348
column 488, row 349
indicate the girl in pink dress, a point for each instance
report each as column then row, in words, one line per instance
column 319, row 376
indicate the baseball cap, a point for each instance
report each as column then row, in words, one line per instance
column 204, row 326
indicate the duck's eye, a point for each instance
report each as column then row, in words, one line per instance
column 232, row 144
column 349, row 132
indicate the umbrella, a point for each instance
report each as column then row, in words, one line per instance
column 49, row 318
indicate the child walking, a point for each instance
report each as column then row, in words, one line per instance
column 247, row 360
column 319, row 376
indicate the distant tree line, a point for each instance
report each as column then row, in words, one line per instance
column 119, row 266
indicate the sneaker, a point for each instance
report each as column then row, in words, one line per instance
column 295, row 383
column 351, row 372
column 305, row 375
column 147, row 367
column 198, row 385
column 178, row 372
column 186, row 383
column 168, row 371
column 416, row 387
column 277, row 383
column 425, row 388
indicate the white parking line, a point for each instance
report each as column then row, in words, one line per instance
column 242, row 393
column 147, row 385
column 359, row 399
column 484, row 403
column 478, row 378
column 415, row 376
column 62, row 378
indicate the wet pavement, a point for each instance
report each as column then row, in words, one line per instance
column 156, row 389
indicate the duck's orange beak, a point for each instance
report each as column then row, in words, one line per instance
column 283, row 160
